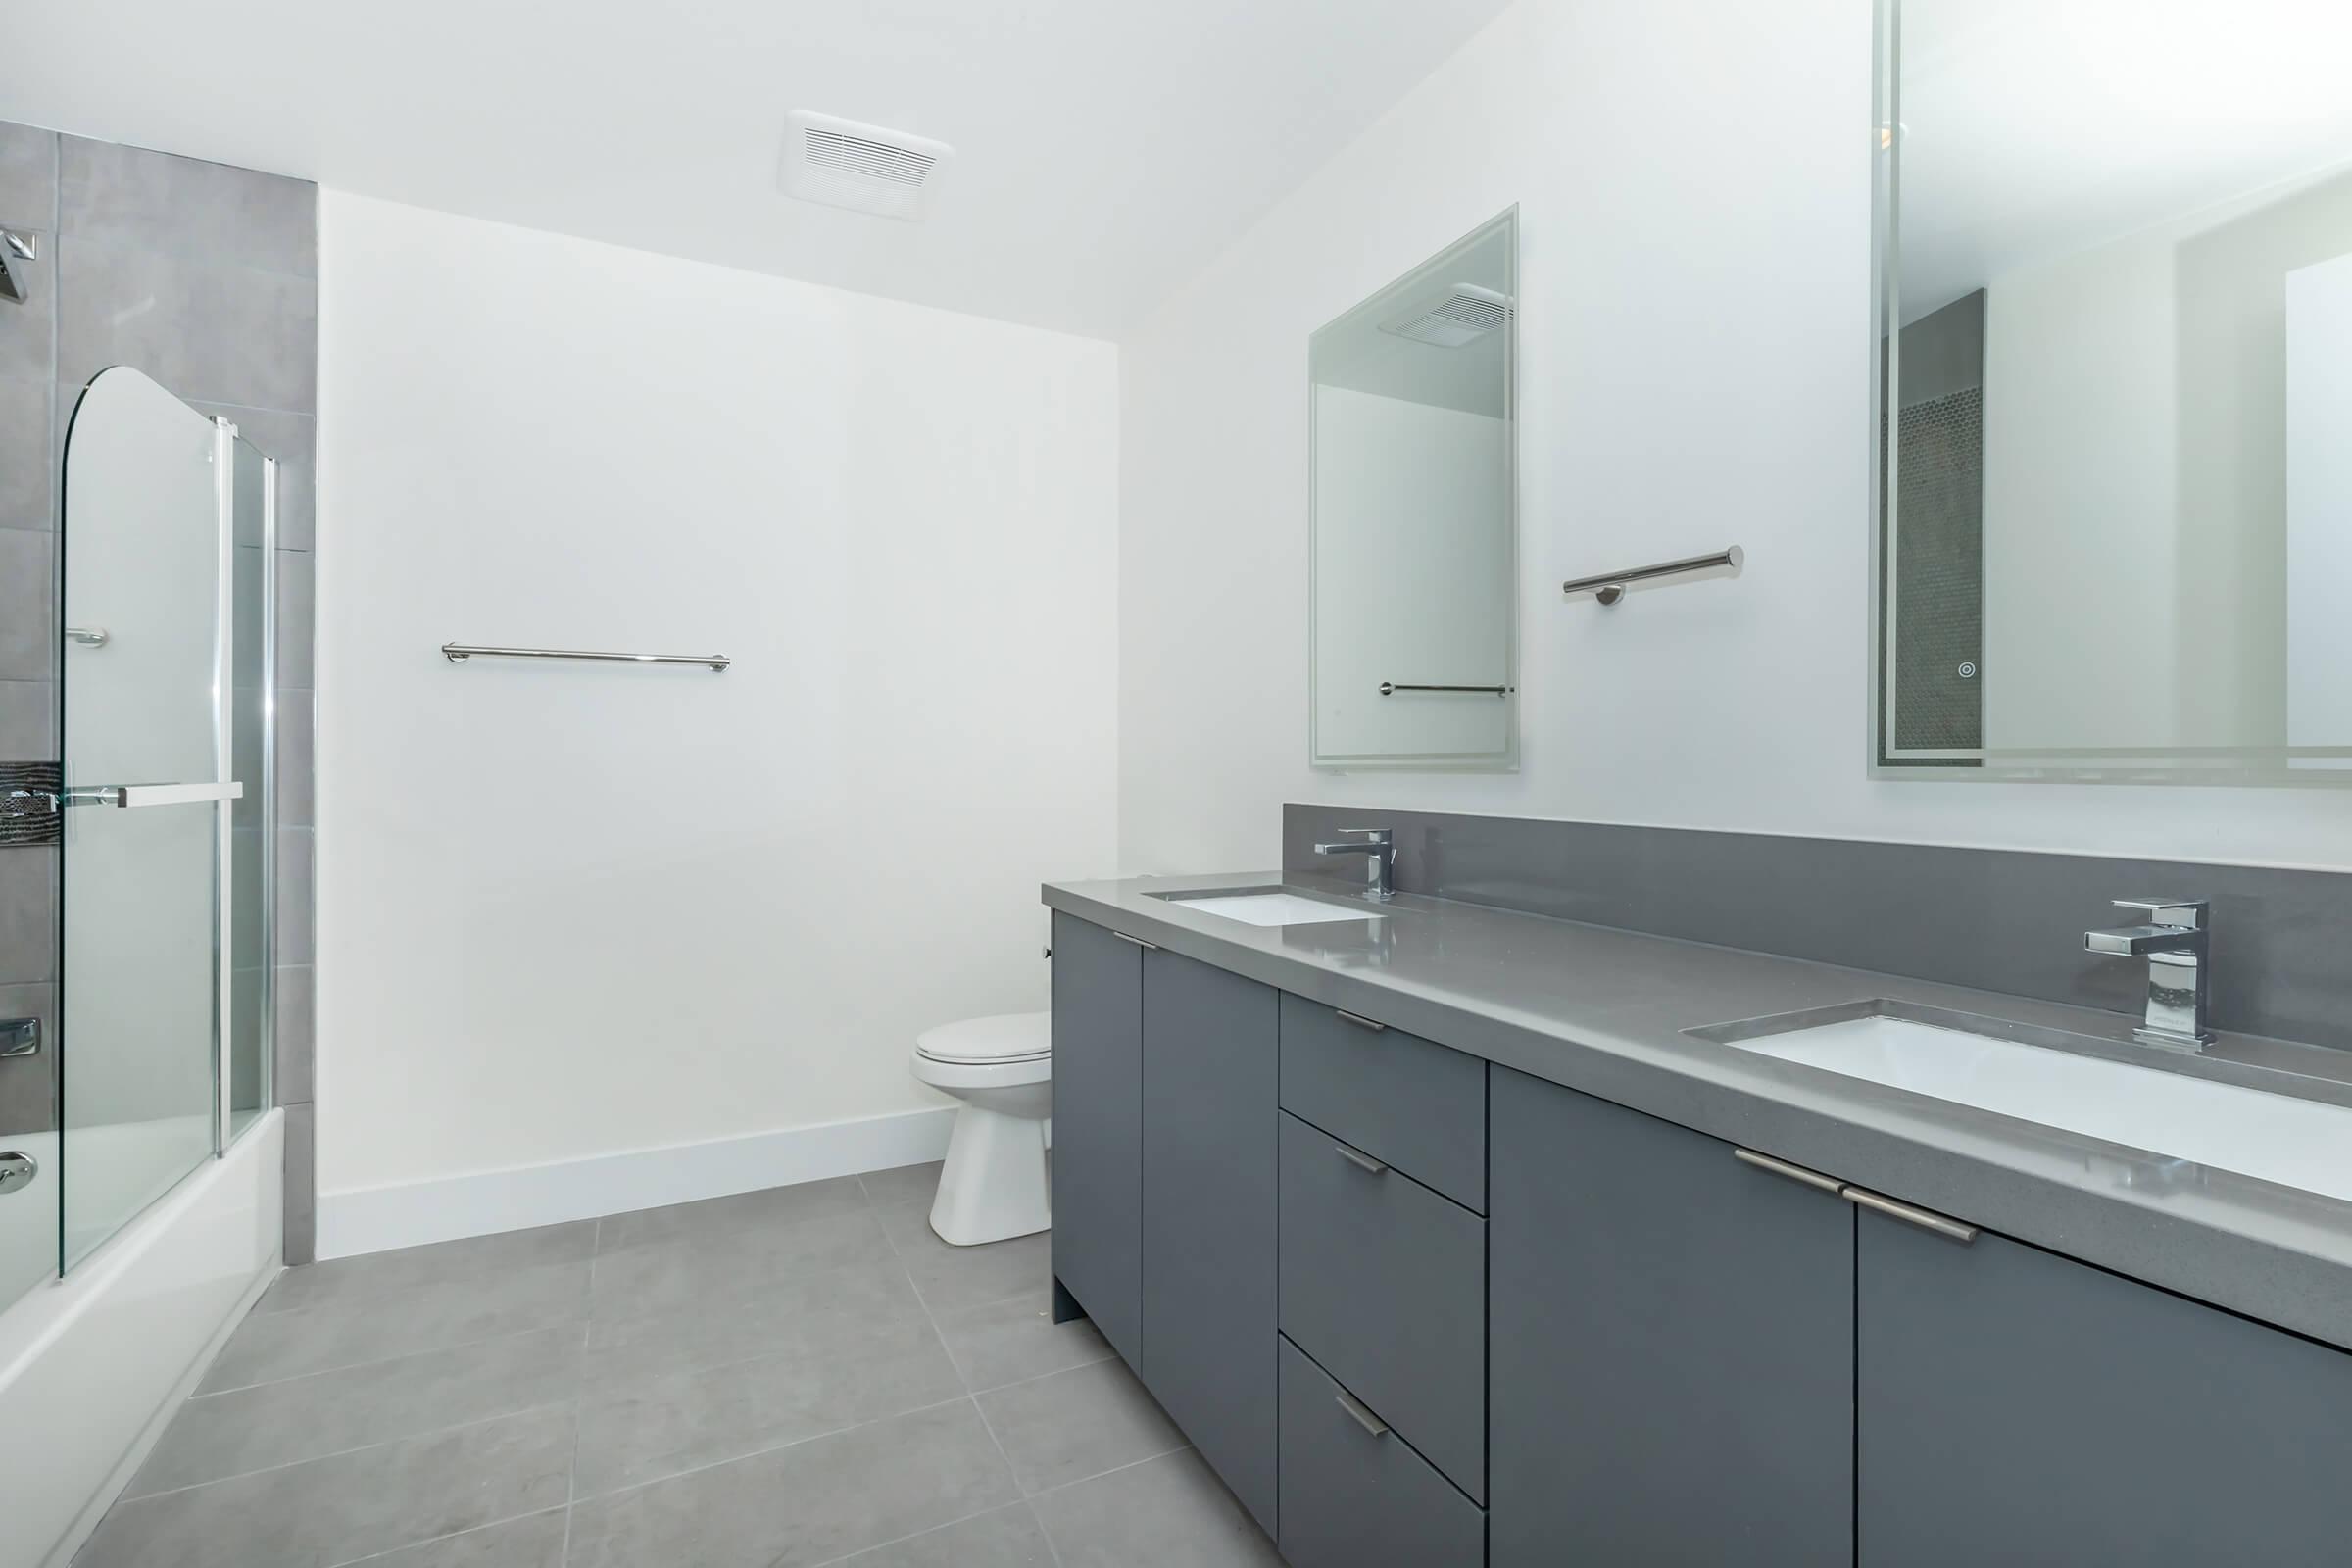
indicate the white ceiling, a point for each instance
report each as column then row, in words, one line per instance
column 1106, row 149
column 2035, row 130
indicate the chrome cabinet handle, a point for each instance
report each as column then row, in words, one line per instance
column 1363, row 1414
column 1795, row 1173
column 1925, row 1218
column 1360, row 1021
column 1149, row 947
column 1362, row 1160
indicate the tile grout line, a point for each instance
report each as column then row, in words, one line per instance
column 435, row 1541
column 344, row 1454
column 381, row 1360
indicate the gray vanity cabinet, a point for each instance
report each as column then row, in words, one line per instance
column 1210, row 1059
column 2017, row 1406
column 1670, row 1353
column 1098, row 1129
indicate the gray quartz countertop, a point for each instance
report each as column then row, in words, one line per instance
column 1604, row 1010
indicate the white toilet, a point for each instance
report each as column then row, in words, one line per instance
column 1001, row 1068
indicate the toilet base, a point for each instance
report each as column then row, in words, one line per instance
column 994, row 1186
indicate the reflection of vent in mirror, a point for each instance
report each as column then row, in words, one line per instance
column 1462, row 317
column 867, row 169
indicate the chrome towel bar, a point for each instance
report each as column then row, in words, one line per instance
column 1611, row 586
column 1389, row 688
column 458, row 653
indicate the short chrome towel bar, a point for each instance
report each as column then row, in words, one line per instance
column 1611, row 586
column 458, row 653
column 1389, row 688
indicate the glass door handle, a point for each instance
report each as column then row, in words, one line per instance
column 124, row 795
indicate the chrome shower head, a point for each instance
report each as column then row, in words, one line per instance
column 16, row 249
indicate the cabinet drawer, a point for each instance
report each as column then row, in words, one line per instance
column 1409, row 1102
column 1354, row 1498
column 1384, row 1283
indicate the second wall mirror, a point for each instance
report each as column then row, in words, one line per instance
column 1415, row 519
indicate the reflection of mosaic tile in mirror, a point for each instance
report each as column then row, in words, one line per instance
column 1939, row 571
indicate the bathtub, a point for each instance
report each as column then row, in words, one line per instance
column 92, row 1365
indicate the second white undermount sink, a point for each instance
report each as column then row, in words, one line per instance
column 1272, row 908
column 2276, row 1137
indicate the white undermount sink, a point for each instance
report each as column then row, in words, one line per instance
column 2278, row 1137
column 1271, row 909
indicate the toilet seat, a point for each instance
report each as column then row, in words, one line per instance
column 1003, row 1040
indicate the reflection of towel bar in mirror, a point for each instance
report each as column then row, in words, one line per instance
column 458, row 653
column 1611, row 586
column 1390, row 687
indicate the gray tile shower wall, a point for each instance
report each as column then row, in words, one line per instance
column 1996, row 919
column 205, row 276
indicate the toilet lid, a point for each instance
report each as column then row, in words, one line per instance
column 1006, row 1037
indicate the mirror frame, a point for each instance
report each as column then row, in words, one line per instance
column 1506, row 761
column 2194, row 767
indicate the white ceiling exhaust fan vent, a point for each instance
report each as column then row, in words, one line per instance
column 1463, row 317
column 863, row 167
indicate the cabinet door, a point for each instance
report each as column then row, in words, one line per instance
column 1670, row 1347
column 1211, row 1063
column 1098, row 1128
column 2019, row 1407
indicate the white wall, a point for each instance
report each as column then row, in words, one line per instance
column 1413, row 513
column 1694, row 309
column 2319, row 503
column 570, row 909
column 2082, row 504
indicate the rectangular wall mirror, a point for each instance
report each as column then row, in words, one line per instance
column 1415, row 519
column 2114, row 537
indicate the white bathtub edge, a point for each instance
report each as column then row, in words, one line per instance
column 98, row 1361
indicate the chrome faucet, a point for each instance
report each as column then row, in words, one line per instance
column 2175, row 940
column 1379, row 843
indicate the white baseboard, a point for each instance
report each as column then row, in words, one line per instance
column 375, row 1219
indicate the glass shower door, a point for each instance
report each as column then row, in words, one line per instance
column 149, row 662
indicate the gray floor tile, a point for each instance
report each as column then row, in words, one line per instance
column 435, row 1316
column 1016, row 1339
column 1009, row 1537
column 1170, row 1512
column 953, row 1278
column 816, row 1315
column 809, row 1504
column 332, row 1510
column 368, row 1277
column 219, row 1435
column 903, row 1184
column 718, row 1218
column 646, row 1428
column 736, row 1264
column 1071, row 1425
column 536, row 1542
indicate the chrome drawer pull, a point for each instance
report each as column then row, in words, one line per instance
column 1358, row 1158
column 1363, row 1417
column 1373, row 1024
column 1150, row 946
column 1795, row 1173
column 1925, row 1218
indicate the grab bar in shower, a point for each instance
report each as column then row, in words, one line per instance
column 458, row 653
column 1611, row 586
